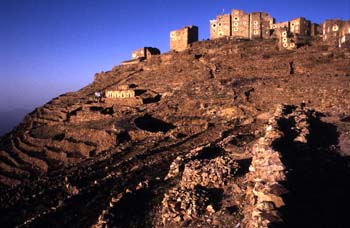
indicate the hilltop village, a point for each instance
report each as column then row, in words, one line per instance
column 249, row 129
column 243, row 26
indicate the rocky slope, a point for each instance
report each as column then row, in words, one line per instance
column 242, row 134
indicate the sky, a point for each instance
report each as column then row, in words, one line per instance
column 50, row 47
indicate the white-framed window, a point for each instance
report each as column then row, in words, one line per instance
column 256, row 32
column 235, row 29
column 335, row 28
column 236, row 18
column 255, row 22
column 235, row 23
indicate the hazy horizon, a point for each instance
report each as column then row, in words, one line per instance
column 52, row 47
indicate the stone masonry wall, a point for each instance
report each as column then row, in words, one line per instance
column 221, row 26
column 180, row 39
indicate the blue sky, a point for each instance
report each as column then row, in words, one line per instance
column 49, row 47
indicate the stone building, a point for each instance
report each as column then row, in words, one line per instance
column 300, row 26
column 286, row 40
column 221, row 26
column 120, row 93
column 240, row 24
column 145, row 52
column 280, row 25
column 260, row 24
column 123, row 91
column 315, row 29
column 180, row 39
column 344, row 39
column 336, row 32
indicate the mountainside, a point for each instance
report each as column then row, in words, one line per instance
column 228, row 133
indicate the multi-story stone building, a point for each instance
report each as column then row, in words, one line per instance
column 241, row 25
column 336, row 32
column 300, row 26
column 260, row 25
column 344, row 39
column 180, row 39
column 221, row 26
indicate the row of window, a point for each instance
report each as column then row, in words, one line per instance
column 120, row 94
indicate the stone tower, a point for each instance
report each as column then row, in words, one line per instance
column 300, row 26
column 260, row 24
column 240, row 24
column 180, row 39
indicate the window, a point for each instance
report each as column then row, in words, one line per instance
column 235, row 29
column 256, row 32
column 236, row 19
column 219, row 24
column 235, row 23
column 284, row 39
column 214, row 25
column 335, row 28
column 255, row 23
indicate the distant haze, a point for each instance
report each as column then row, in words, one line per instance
column 9, row 119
